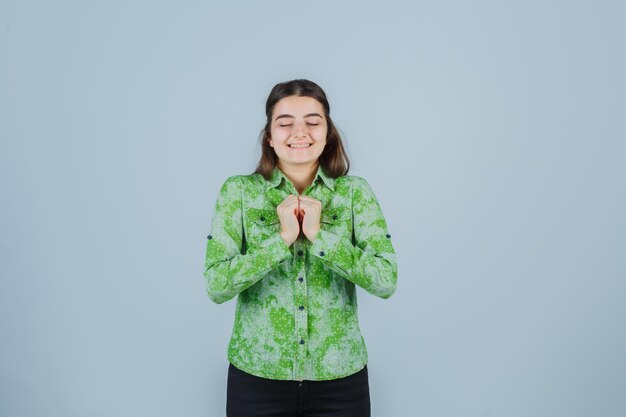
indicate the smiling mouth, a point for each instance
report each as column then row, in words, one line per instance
column 304, row 146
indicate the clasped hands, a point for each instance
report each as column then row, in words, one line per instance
column 299, row 214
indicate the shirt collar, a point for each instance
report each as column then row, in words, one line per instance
column 278, row 175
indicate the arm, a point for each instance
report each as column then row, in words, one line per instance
column 226, row 270
column 371, row 263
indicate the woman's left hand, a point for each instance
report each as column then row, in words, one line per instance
column 311, row 210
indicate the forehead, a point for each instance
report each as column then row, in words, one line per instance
column 297, row 106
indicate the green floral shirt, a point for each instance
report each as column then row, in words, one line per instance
column 296, row 315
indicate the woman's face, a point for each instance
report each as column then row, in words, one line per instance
column 298, row 120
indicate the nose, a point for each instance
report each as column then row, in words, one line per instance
column 299, row 130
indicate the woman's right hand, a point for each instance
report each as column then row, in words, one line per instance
column 289, row 224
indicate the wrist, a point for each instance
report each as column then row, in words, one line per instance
column 313, row 235
column 288, row 241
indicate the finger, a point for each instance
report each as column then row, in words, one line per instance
column 307, row 198
column 287, row 200
column 292, row 201
column 310, row 204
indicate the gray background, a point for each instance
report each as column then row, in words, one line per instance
column 492, row 133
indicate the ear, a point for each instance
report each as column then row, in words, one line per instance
column 271, row 142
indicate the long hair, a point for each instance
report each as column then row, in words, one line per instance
column 333, row 159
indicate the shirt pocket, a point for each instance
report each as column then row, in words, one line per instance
column 262, row 223
column 336, row 215
column 337, row 220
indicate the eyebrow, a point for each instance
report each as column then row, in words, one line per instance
column 290, row 116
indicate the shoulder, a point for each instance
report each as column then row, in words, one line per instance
column 354, row 181
column 248, row 183
column 231, row 187
column 232, row 181
column 252, row 181
column 360, row 188
column 253, row 178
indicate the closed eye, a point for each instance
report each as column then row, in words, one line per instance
column 310, row 124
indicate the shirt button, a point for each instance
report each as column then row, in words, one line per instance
column 262, row 218
column 301, row 341
column 300, row 279
column 322, row 253
column 334, row 217
column 209, row 237
column 388, row 235
column 300, row 253
column 301, row 308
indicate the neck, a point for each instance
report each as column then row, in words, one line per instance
column 300, row 175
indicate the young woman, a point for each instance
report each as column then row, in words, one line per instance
column 291, row 241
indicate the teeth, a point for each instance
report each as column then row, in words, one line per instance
column 300, row 146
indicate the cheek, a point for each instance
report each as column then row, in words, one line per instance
column 319, row 134
column 278, row 138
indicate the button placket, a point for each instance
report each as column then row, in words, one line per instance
column 301, row 318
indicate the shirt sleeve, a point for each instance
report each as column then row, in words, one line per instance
column 227, row 270
column 369, row 263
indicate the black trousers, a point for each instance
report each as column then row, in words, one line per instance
column 252, row 396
